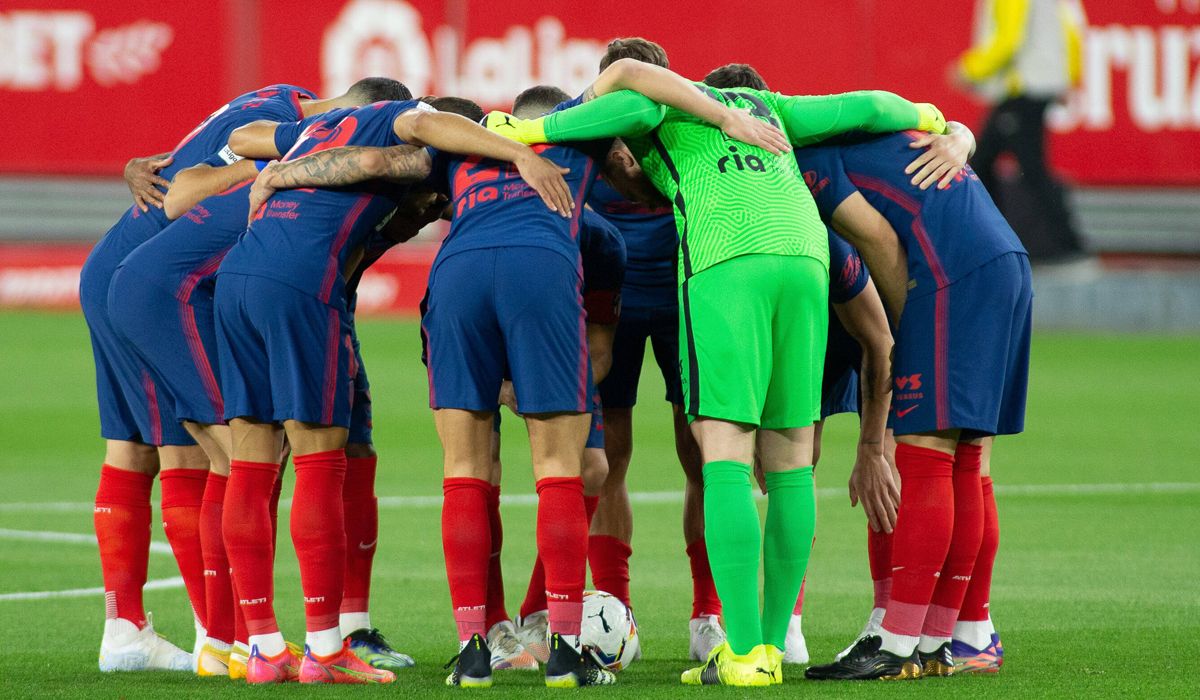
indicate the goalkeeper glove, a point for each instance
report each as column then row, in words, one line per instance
column 519, row 130
column 929, row 118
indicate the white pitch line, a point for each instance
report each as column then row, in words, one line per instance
column 652, row 497
column 155, row 585
column 67, row 538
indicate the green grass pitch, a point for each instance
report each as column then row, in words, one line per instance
column 1097, row 588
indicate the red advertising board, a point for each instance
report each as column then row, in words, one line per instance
column 128, row 78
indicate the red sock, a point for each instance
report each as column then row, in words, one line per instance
column 535, row 595
column 705, row 600
column 964, row 544
column 975, row 602
column 245, row 524
column 467, row 543
column 496, row 610
column 240, row 633
column 122, row 521
column 562, row 546
column 609, row 560
column 879, row 554
column 361, row 509
column 922, row 535
column 218, row 590
column 273, row 509
column 182, row 496
column 798, row 609
column 319, row 535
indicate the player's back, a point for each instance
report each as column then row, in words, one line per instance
column 495, row 208
column 302, row 237
column 730, row 198
column 946, row 232
column 651, row 244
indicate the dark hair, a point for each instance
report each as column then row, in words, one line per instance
column 370, row 90
column 455, row 105
column 538, row 100
column 634, row 47
column 733, row 75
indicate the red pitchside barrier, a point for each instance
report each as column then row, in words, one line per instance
column 94, row 82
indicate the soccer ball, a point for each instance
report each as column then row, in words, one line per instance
column 609, row 630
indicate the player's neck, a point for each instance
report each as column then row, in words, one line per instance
column 311, row 107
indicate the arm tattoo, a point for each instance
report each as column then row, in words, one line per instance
column 589, row 93
column 338, row 167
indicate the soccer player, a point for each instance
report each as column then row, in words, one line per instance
column 960, row 372
column 753, row 255
column 135, row 419
column 285, row 352
column 160, row 302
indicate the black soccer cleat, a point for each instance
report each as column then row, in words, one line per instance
column 866, row 661
column 937, row 663
column 472, row 665
column 569, row 668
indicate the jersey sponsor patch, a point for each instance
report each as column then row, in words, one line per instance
column 227, row 155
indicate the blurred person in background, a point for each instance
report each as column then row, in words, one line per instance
column 1027, row 55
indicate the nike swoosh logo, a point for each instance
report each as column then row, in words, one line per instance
column 905, row 412
column 367, row 545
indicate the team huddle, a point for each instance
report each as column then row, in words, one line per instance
column 729, row 226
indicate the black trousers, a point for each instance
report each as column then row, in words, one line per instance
column 1018, row 126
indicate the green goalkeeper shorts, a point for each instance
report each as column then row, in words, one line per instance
column 752, row 340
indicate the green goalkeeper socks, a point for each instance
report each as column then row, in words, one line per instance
column 734, row 542
column 791, row 522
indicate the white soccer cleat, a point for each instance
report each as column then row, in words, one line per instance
column 198, row 645
column 795, row 648
column 507, row 650
column 533, row 631
column 874, row 624
column 124, row 647
column 706, row 635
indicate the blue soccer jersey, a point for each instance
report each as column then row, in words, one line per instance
column 603, row 255
column 848, row 277
column 302, row 237
column 651, row 244
column 946, row 233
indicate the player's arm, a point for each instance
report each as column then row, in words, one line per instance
column 943, row 158
column 255, row 140
column 811, row 118
column 141, row 175
column 339, row 167
column 455, row 134
column 871, row 481
column 877, row 242
column 991, row 56
column 199, row 182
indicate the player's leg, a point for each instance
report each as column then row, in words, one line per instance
column 976, row 645
column 796, row 647
column 183, row 476
column 704, row 627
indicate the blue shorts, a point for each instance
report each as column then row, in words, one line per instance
column 176, row 339
column 660, row 326
column 517, row 309
column 284, row 354
column 962, row 353
column 131, row 405
column 839, row 383
column 361, row 425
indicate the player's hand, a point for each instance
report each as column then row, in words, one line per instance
column 872, row 484
column 508, row 397
column 745, row 127
column 519, row 130
column 943, row 159
column 930, row 118
column 141, row 174
column 262, row 190
column 546, row 178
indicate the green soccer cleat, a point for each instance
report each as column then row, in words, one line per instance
column 759, row 668
column 373, row 649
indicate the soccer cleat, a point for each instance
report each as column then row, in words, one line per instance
column 124, row 647
column 472, row 665
column 533, row 631
column 569, row 667
column 374, row 650
column 939, row 663
column 238, row 656
column 507, row 650
column 874, row 624
column 866, row 661
column 342, row 666
column 198, row 645
column 212, row 661
column 775, row 661
column 284, row 667
column 723, row 667
column 968, row 659
column 706, row 635
column 795, row 648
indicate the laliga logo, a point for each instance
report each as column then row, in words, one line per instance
column 48, row 50
column 385, row 37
